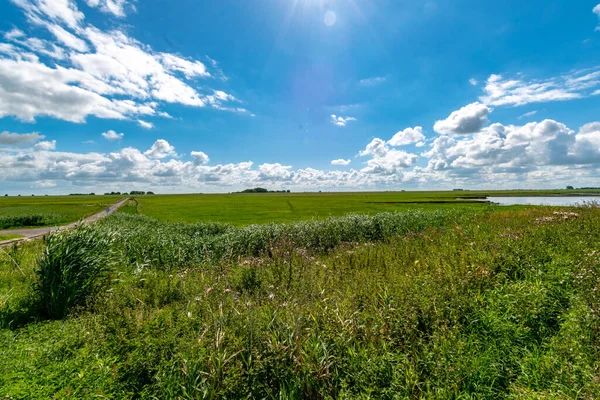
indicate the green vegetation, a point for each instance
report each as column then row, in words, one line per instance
column 244, row 209
column 467, row 303
column 14, row 221
column 8, row 237
column 49, row 210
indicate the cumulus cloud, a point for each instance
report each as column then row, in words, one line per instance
column 501, row 91
column 385, row 161
column 469, row 119
column 340, row 161
column 596, row 11
column 106, row 74
column 516, row 149
column 112, row 135
column 407, row 136
column 19, row 139
column 45, row 145
column 200, row 158
column 534, row 154
column 274, row 172
column 160, row 149
column 341, row 121
column 473, row 82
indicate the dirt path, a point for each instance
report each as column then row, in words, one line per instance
column 32, row 233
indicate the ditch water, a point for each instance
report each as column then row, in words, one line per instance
column 544, row 200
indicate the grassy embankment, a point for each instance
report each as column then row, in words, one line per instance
column 474, row 304
column 34, row 211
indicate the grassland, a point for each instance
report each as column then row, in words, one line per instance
column 8, row 237
column 437, row 304
column 49, row 210
column 244, row 209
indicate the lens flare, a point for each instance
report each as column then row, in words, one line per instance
column 330, row 18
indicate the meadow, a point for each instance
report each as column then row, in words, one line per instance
column 244, row 209
column 450, row 303
column 34, row 211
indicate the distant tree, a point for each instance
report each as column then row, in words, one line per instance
column 149, row 192
column 92, row 194
column 570, row 188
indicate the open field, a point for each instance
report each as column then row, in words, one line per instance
column 440, row 304
column 49, row 210
column 243, row 209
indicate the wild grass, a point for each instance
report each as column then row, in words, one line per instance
column 494, row 304
column 29, row 220
column 75, row 265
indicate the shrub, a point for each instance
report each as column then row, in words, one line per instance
column 75, row 266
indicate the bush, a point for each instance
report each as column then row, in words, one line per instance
column 74, row 267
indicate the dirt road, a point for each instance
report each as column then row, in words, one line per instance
column 32, row 233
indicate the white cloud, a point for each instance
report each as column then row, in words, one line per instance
column 407, row 136
column 13, row 34
column 45, row 146
column 473, row 81
column 516, row 149
column 274, row 172
column 528, row 114
column 106, row 74
column 114, row 7
column 341, row 121
column 467, row 120
column 500, row 91
column 144, row 124
column 67, row 38
column 200, row 158
column 63, row 12
column 19, row 139
column 545, row 154
column 112, row 135
column 386, row 161
column 340, row 161
column 596, row 11
column 377, row 147
column 373, row 81
column 160, row 149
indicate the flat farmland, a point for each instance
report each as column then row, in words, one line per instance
column 243, row 209
column 51, row 210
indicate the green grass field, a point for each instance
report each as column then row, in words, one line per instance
column 486, row 303
column 8, row 237
column 243, row 209
column 55, row 210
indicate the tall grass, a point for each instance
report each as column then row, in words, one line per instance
column 149, row 242
column 75, row 266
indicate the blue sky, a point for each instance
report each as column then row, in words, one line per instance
column 216, row 96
